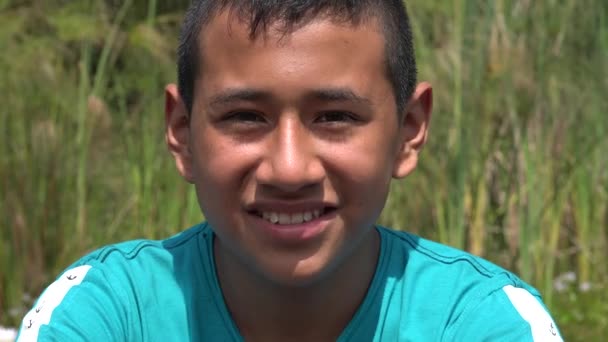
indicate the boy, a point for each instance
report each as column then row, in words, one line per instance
column 290, row 119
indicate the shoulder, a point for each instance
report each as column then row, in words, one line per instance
column 97, row 293
column 429, row 258
column 509, row 313
column 137, row 251
column 141, row 256
column 81, row 292
column 466, row 293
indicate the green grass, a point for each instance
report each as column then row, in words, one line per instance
column 515, row 169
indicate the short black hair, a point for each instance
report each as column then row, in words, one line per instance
column 259, row 14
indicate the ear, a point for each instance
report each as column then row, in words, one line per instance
column 177, row 131
column 415, row 123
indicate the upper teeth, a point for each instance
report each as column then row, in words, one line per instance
column 284, row 218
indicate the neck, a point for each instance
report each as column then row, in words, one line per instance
column 266, row 311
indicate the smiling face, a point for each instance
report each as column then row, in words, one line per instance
column 292, row 143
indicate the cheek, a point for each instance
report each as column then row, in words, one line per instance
column 219, row 172
column 369, row 156
column 362, row 171
column 219, row 160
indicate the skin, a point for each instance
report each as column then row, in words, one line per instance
column 288, row 122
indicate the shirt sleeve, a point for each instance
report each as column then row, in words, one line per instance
column 508, row 314
column 81, row 305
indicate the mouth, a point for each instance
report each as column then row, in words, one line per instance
column 293, row 217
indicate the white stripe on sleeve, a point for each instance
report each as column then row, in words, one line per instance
column 50, row 299
column 542, row 326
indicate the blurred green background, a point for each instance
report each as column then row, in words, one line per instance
column 516, row 168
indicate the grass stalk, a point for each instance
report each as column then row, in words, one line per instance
column 151, row 12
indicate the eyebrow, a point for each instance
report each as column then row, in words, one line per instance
column 238, row 95
column 338, row 94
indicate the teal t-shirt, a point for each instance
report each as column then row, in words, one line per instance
column 168, row 291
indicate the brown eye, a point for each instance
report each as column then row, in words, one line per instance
column 336, row 117
column 246, row 116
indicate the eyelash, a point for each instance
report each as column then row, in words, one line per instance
column 350, row 117
column 252, row 117
column 239, row 116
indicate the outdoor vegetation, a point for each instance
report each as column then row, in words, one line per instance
column 515, row 170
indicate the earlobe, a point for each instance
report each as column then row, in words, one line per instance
column 415, row 123
column 177, row 131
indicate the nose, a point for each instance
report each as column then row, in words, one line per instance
column 291, row 162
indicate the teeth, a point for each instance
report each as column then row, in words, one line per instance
column 284, row 219
column 296, row 218
column 307, row 216
column 274, row 217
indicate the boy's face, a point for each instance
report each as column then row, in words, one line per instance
column 292, row 143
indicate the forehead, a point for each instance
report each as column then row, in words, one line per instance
column 321, row 52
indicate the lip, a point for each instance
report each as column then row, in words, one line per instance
column 293, row 233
